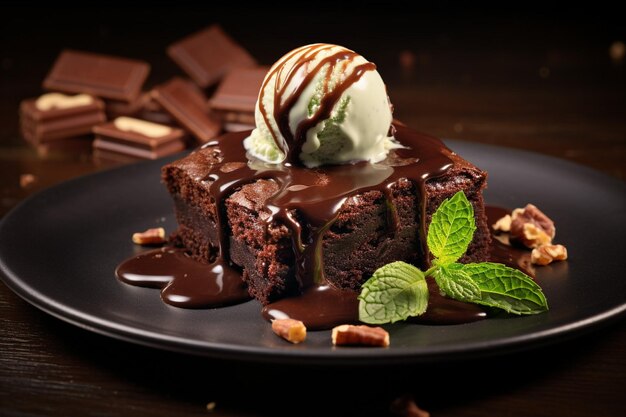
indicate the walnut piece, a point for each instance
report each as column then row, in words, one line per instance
column 531, row 227
column 503, row 224
column 291, row 330
column 26, row 180
column 546, row 254
column 405, row 406
column 155, row 236
column 359, row 335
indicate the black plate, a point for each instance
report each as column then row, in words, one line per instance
column 59, row 250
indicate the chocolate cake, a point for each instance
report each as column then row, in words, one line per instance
column 286, row 228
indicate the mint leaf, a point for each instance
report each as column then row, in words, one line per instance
column 454, row 282
column 506, row 288
column 451, row 229
column 395, row 292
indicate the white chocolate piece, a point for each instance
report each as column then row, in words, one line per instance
column 149, row 129
column 51, row 101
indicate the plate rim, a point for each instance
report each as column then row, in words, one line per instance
column 343, row 355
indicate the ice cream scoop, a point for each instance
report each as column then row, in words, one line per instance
column 322, row 104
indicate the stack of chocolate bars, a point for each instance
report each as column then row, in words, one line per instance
column 103, row 99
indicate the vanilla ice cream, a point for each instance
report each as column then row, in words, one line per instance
column 322, row 104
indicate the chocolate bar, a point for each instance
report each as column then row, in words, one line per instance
column 154, row 112
column 188, row 106
column 207, row 55
column 55, row 116
column 100, row 75
column 138, row 138
column 235, row 98
column 143, row 107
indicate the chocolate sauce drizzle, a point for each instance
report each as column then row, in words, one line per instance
column 284, row 99
column 190, row 284
column 316, row 195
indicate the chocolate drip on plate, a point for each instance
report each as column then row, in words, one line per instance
column 184, row 281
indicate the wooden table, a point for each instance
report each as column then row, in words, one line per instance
column 549, row 82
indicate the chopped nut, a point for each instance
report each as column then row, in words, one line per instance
column 154, row 236
column 546, row 254
column 534, row 236
column 405, row 406
column 27, row 179
column 359, row 335
column 292, row 330
column 531, row 227
column 503, row 224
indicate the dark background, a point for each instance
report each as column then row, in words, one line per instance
column 469, row 36
column 460, row 62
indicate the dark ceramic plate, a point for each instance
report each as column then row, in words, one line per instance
column 59, row 250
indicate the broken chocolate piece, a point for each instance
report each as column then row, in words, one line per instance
column 100, row 75
column 188, row 106
column 154, row 112
column 138, row 138
column 207, row 55
column 56, row 116
column 235, row 99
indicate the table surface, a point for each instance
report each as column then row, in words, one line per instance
column 542, row 81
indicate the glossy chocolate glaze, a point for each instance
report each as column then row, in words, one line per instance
column 316, row 195
column 184, row 282
column 319, row 307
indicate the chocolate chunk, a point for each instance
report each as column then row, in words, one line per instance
column 188, row 106
column 138, row 138
column 104, row 76
column 207, row 55
column 154, row 112
column 235, row 98
column 56, row 116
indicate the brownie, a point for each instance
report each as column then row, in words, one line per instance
column 371, row 228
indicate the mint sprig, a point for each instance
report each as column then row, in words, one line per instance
column 398, row 290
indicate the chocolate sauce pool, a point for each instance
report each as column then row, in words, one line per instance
column 184, row 281
column 317, row 195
